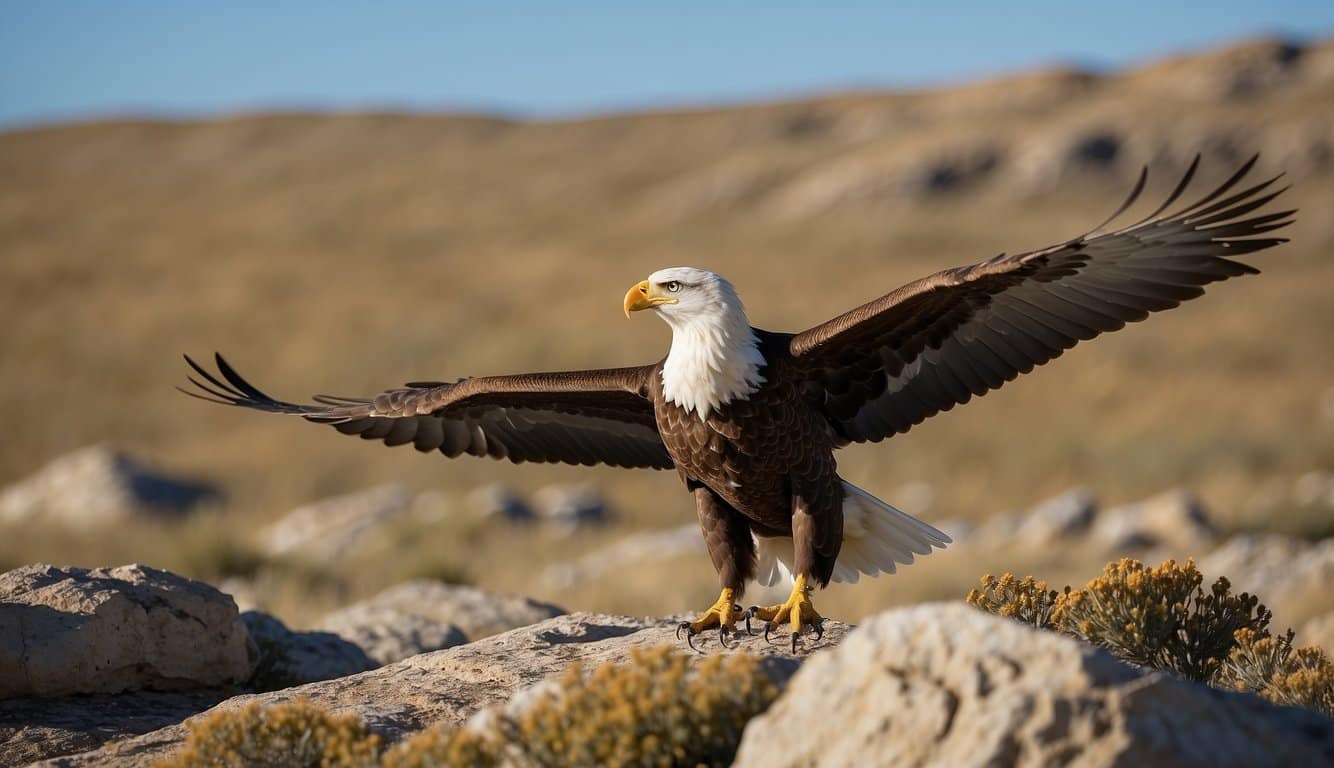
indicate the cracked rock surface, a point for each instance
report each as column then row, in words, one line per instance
column 946, row 684
column 108, row 630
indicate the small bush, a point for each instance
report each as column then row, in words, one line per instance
column 660, row 709
column 1160, row 617
column 1026, row 599
column 1270, row 666
column 296, row 734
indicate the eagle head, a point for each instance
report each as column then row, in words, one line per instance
column 683, row 294
column 715, row 356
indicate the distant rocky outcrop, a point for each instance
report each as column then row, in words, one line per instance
column 97, row 487
column 334, row 527
column 570, row 507
column 107, row 630
column 628, row 551
column 424, row 615
column 949, row 685
column 451, row 685
column 1285, row 572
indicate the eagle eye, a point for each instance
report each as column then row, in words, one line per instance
column 673, row 286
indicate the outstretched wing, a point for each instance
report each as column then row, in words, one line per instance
column 887, row 365
column 574, row 417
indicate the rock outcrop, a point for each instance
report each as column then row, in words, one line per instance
column 96, row 487
column 949, row 685
column 107, row 630
column 334, row 527
column 451, row 685
column 1292, row 576
column 288, row 658
column 423, row 615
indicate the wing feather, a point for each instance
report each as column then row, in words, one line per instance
column 575, row 417
column 935, row 343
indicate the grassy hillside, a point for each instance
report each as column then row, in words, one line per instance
column 346, row 253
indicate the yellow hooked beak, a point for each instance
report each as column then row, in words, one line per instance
column 641, row 297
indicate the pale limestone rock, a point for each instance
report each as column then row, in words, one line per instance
column 1173, row 519
column 649, row 546
column 389, row 633
column 1284, row 572
column 1066, row 516
column 73, row 630
column 451, row 608
column 949, row 685
column 98, row 487
column 451, row 685
column 333, row 528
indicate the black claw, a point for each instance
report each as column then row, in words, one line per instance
column 722, row 636
column 794, row 642
column 768, row 627
column 683, row 625
column 818, row 626
column 747, row 614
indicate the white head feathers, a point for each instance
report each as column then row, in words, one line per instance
column 715, row 356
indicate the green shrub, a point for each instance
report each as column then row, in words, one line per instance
column 295, row 734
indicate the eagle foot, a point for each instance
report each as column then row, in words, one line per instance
column 798, row 611
column 722, row 615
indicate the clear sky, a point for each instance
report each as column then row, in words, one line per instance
column 63, row 60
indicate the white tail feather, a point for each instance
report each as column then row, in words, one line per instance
column 877, row 538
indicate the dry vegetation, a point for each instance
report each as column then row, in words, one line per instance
column 1161, row 618
column 346, row 253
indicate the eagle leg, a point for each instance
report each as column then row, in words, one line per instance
column 798, row 611
column 722, row 614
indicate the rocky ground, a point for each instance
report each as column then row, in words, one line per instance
column 931, row 684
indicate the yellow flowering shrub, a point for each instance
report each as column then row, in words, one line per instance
column 1026, row 599
column 1161, row 617
column 1270, row 666
column 293, row 734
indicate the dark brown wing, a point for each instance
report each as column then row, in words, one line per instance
column 575, row 417
column 933, row 344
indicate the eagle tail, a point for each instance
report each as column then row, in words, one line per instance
column 877, row 538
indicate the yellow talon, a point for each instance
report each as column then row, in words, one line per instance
column 798, row 610
column 722, row 614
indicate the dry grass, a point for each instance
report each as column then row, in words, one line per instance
column 348, row 253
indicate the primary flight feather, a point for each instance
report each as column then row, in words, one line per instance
column 750, row 419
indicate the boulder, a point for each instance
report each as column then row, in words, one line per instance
column 501, row 502
column 950, row 685
column 633, row 549
column 571, row 507
column 411, row 617
column 388, row 634
column 1318, row 632
column 97, row 487
column 452, row 685
column 1066, row 516
column 107, row 630
column 288, row 658
column 1174, row 519
column 1284, row 572
column 333, row 528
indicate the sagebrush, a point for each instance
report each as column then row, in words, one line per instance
column 1163, row 618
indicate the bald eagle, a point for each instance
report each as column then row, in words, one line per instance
column 750, row 419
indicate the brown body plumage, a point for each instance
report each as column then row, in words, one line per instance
column 752, row 430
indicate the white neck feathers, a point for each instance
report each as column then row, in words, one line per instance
column 715, row 358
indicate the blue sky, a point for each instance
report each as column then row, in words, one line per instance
column 62, row 60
